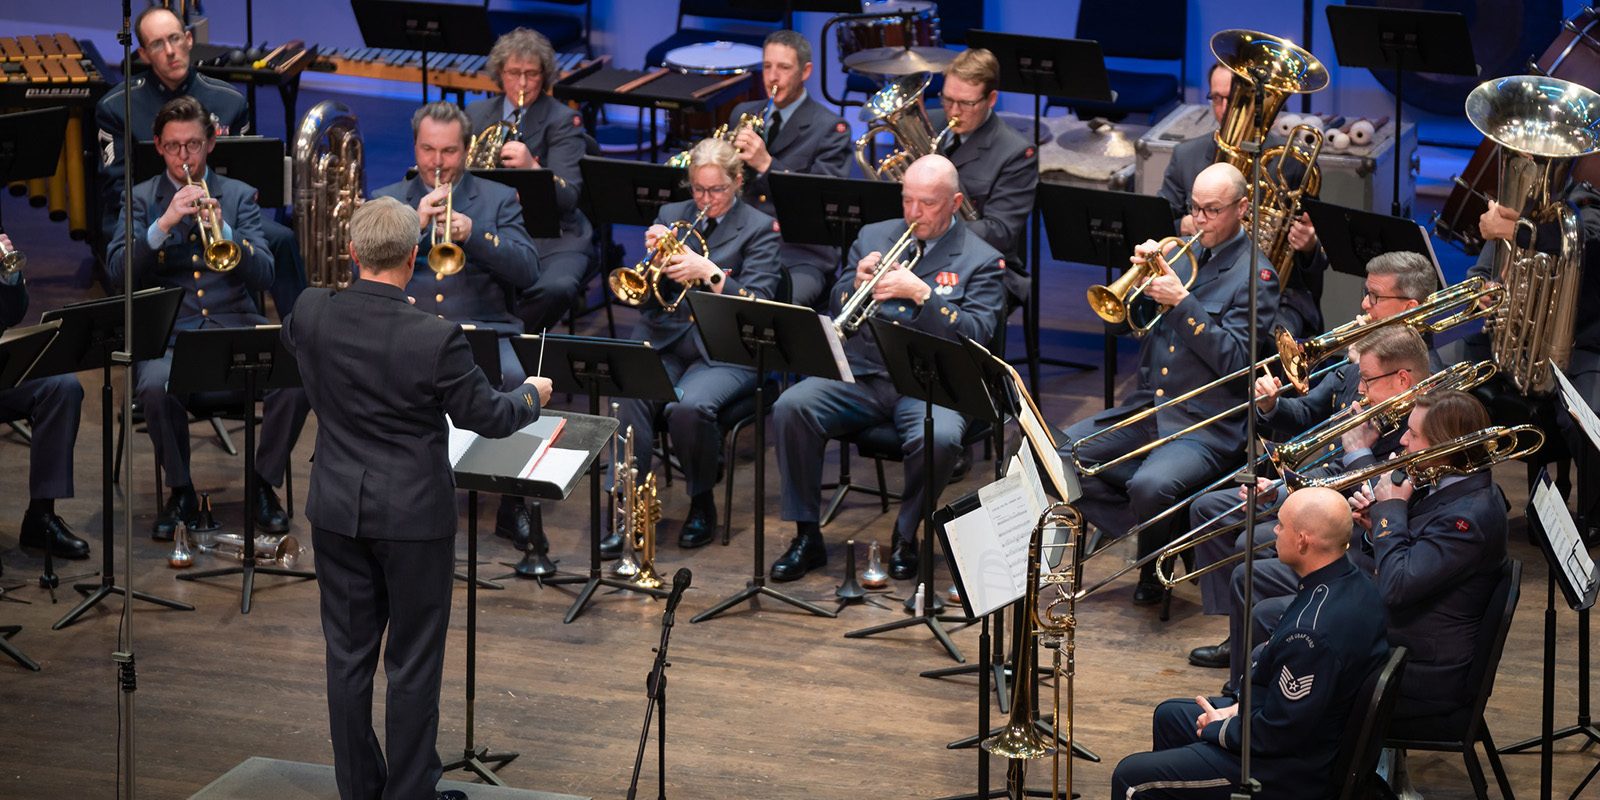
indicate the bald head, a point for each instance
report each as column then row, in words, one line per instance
column 929, row 194
column 934, row 171
column 1217, row 203
column 1221, row 177
column 1313, row 529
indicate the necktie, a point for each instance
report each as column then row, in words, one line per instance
column 1205, row 256
column 772, row 129
column 711, row 227
column 516, row 118
column 955, row 142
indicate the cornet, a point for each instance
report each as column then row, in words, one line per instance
column 221, row 255
column 445, row 257
column 283, row 551
column 11, row 260
column 861, row 307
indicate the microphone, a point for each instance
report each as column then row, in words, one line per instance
column 680, row 581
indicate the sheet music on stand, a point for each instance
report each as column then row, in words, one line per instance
column 1563, row 546
column 987, row 541
column 1036, row 432
column 520, row 455
column 1578, row 406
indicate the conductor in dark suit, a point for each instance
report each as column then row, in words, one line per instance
column 1203, row 336
column 549, row 136
column 954, row 290
column 799, row 135
column 382, row 503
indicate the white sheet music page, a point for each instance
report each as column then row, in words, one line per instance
column 1563, row 535
column 836, row 345
column 1578, row 406
column 460, row 440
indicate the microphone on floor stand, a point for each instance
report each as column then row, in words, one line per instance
column 656, row 691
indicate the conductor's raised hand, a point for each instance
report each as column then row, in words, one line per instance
column 543, row 386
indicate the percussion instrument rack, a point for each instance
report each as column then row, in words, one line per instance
column 598, row 83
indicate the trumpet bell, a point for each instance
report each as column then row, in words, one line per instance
column 222, row 255
column 629, row 285
column 446, row 258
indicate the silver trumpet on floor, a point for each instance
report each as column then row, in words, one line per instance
column 638, row 511
column 283, row 551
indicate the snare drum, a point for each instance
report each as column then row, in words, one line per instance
column 714, row 58
column 858, row 35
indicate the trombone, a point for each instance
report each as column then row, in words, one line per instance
column 1114, row 303
column 1484, row 449
column 221, row 255
column 861, row 307
column 444, row 257
column 635, row 285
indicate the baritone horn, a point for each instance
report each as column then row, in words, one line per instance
column 861, row 307
column 897, row 110
column 1115, row 303
column 330, row 182
column 221, row 254
column 636, row 285
column 445, row 257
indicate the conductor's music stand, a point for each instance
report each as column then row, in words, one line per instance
column 237, row 360
column 597, row 366
column 822, row 209
column 939, row 372
column 19, row 349
column 90, row 333
column 1115, row 221
column 536, row 190
column 1403, row 40
column 767, row 336
column 427, row 27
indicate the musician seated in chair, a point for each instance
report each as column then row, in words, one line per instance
column 166, row 47
column 54, row 404
column 169, row 250
column 549, row 135
column 499, row 259
column 741, row 259
column 1204, row 335
column 953, row 290
column 799, row 135
column 1305, row 681
column 1434, row 552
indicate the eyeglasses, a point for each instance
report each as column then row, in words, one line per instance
column 711, row 190
column 1216, row 99
column 1199, row 212
column 1370, row 295
column 529, row 75
column 950, row 102
column 180, row 148
column 170, row 43
column 1366, row 381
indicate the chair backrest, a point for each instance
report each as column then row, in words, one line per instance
column 1368, row 726
column 1153, row 29
column 724, row 9
column 1492, row 641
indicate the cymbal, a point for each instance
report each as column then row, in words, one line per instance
column 900, row 60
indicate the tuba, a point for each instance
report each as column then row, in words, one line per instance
column 1281, row 69
column 484, row 150
column 1543, row 125
column 634, row 286
column 330, row 181
column 897, row 109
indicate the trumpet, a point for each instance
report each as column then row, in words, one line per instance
column 1115, row 303
column 637, row 284
column 445, row 257
column 639, row 510
column 622, row 499
column 484, row 150
column 221, row 255
column 861, row 307
column 12, row 260
column 283, row 551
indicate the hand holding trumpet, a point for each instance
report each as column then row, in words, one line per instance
column 1166, row 288
column 187, row 201
column 432, row 208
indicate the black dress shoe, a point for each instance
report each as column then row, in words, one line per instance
column 181, row 504
column 270, row 517
column 903, row 560
column 39, row 529
column 1214, row 656
column 611, row 547
column 805, row 553
column 450, row 794
column 514, row 521
column 700, row 528
column 963, row 465
column 1148, row 593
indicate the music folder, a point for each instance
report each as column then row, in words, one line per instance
column 514, row 456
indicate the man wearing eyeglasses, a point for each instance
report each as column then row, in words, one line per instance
column 740, row 258
column 166, row 46
column 169, row 251
column 800, row 135
column 1204, row 335
column 998, row 167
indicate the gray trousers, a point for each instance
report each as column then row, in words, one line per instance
column 704, row 389
column 55, row 404
column 815, row 410
column 1214, row 597
column 563, row 276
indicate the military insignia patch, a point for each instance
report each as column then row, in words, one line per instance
column 577, row 122
column 775, row 227
column 1294, row 688
column 1028, row 153
column 1461, row 525
column 1266, row 274
column 841, row 127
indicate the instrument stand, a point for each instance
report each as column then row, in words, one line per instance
column 597, row 366
column 91, row 337
column 851, row 591
column 475, row 758
column 1041, row 66
column 426, row 27
column 656, row 690
column 748, row 332
column 1402, row 40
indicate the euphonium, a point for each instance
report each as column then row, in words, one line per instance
column 634, row 286
column 1115, row 303
column 1543, row 125
column 445, row 257
column 897, row 110
column 11, row 260
column 221, row 255
column 861, row 307
column 330, row 182
column 484, row 150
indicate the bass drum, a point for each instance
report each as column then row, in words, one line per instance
column 866, row 34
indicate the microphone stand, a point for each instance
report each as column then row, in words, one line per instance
column 656, row 692
column 127, row 674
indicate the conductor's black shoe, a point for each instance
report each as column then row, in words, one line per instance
column 963, row 465
column 514, row 521
column 450, row 794
column 700, row 528
column 44, row 529
column 1214, row 656
column 181, row 504
column 611, row 546
column 903, row 559
column 270, row 517
column 1147, row 593
column 805, row 553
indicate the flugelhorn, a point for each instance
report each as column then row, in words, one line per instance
column 444, row 257
column 861, row 307
column 484, row 150
column 897, row 109
column 635, row 285
column 1115, row 303
column 729, row 132
column 221, row 254
column 11, row 260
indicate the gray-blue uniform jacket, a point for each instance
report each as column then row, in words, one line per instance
column 1292, row 416
column 553, row 133
column 964, row 273
column 501, row 259
column 1305, row 682
column 215, row 298
column 1438, row 559
column 229, row 112
column 999, row 174
column 744, row 245
column 811, row 140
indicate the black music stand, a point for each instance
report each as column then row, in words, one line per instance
column 237, row 360
column 940, row 372
column 596, row 366
column 20, row 348
column 822, row 209
column 1403, row 40
column 767, row 336
column 536, row 190
column 426, row 27
column 635, row 193
column 1116, row 222
column 91, row 332
column 255, row 160
column 30, row 143
column 588, row 433
column 1352, row 237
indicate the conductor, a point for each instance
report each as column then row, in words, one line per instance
column 382, row 503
